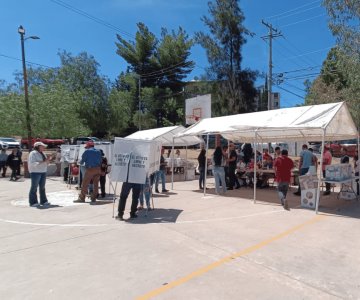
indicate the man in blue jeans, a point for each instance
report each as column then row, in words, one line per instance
column 161, row 174
column 306, row 160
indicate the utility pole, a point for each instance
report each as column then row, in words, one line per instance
column 139, row 102
column 273, row 33
column 21, row 31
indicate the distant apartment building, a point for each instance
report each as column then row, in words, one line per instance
column 261, row 100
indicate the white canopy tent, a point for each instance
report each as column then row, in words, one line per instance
column 167, row 136
column 290, row 124
column 311, row 123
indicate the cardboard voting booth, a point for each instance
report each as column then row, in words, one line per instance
column 134, row 160
column 69, row 153
column 308, row 185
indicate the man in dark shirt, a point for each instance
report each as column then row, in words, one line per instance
column 283, row 166
column 232, row 168
column 92, row 160
column 344, row 157
column 161, row 174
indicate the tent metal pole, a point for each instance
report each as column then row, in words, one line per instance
column 320, row 175
column 186, row 164
column 206, row 156
column 114, row 198
column 172, row 164
column 255, row 167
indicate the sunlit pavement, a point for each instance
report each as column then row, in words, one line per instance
column 190, row 246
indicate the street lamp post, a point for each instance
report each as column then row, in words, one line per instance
column 21, row 31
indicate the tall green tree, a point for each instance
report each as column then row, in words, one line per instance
column 159, row 66
column 223, row 45
column 339, row 80
column 53, row 109
column 80, row 76
column 345, row 23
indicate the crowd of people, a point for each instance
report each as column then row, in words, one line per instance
column 231, row 168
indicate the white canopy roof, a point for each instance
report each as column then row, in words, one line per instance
column 287, row 124
column 166, row 135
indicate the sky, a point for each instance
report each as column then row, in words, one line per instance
column 297, row 54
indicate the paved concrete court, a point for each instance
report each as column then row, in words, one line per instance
column 189, row 247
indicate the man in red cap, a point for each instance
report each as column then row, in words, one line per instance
column 92, row 160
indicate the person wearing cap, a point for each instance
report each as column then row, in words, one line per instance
column 37, row 164
column 92, row 160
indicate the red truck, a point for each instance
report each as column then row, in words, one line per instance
column 52, row 143
column 349, row 145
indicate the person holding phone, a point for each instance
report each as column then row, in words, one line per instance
column 37, row 164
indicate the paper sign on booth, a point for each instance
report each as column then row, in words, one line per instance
column 69, row 153
column 133, row 160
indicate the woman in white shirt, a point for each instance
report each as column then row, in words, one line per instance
column 37, row 164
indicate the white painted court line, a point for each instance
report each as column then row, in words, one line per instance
column 54, row 224
column 232, row 218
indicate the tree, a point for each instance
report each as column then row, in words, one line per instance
column 339, row 80
column 345, row 23
column 159, row 66
column 80, row 76
column 53, row 109
column 223, row 48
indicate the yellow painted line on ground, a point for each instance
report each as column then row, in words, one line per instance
column 226, row 259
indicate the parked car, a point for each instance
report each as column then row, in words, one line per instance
column 8, row 143
column 349, row 145
column 82, row 140
column 335, row 147
column 51, row 143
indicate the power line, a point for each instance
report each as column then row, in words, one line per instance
column 294, row 87
column 299, row 70
column 290, row 92
column 292, row 10
column 303, row 58
column 162, row 72
column 106, row 24
column 304, row 20
column 27, row 62
column 299, row 12
column 91, row 17
column 308, row 53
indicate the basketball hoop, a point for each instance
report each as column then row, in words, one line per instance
column 191, row 119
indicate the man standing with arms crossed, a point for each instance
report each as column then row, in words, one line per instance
column 283, row 166
column 92, row 160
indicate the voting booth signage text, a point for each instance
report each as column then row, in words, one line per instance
column 134, row 160
column 69, row 153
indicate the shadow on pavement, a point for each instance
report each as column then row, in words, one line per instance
column 49, row 206
column 158, row 215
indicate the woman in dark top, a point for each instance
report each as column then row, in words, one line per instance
column 202, row 160
column 13, row 161
column 218, row 170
